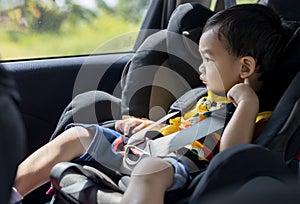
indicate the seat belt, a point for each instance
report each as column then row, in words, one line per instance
column 166, row 145
column 139, row 137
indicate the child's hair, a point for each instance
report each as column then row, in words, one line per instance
column 250, row 30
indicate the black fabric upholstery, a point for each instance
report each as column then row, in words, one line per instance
column 287, row 9
column 12, row 139
column 234, row 167
column 282, row 73
column 259, row 190
column 284, row 123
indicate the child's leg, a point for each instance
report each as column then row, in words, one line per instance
column 35, row 169
column 149, row 181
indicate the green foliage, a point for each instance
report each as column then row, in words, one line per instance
column 49, row 17
column 72, row 29
column 50, row 20
column 76, row 13
column 132, row 10
column 106, row 33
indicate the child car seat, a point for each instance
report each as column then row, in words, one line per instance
column 166, row 64
column 290, row 110
column 152, row 80
column 152, row 73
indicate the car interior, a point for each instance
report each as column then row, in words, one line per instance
column 47, row 86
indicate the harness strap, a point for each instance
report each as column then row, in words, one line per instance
column 165, row 145
column 139, row 137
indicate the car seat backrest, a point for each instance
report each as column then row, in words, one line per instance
column 282, row 132
column 152, row 80
column 284, row 122
column 137, row 79
column 283, row 70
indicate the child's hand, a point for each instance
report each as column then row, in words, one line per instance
column 131, row 125
column 243, row 93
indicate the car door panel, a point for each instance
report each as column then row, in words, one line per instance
column 46, row 87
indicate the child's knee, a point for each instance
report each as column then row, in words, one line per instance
column 152, row 165
column 78, row 137
column 154, row 170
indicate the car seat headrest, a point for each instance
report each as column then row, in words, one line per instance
column 284, row 71
column 184, row 31
column 289, row 64
column 188, row 17
column 288, row 9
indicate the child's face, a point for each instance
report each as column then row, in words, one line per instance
column 219, row 70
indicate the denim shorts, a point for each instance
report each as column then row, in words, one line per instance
column 101, row 151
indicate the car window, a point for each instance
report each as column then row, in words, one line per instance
column 50, row 28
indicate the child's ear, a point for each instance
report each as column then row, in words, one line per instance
column 248, row 66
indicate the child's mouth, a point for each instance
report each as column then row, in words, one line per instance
column 202, row 78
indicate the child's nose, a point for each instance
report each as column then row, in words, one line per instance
column 202, row 69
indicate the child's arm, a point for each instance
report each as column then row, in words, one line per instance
column 240, row 128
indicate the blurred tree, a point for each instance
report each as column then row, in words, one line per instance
column 13, row 11
column 48, row 15
column 103, row 6
column 132, row 10
column 77, row 12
